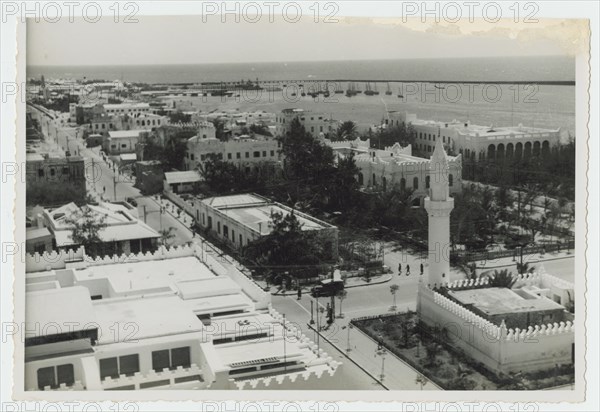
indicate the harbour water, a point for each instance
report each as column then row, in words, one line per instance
column 486, row 102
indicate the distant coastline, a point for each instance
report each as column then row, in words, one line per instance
column 548, row 70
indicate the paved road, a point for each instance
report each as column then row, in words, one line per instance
column 397, row 375
column 102, row 179
column 350, row 376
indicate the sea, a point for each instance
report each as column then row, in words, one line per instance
column 504, row 91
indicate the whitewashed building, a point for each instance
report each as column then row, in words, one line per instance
column 244, row 151
column 314, row 123
column 395, row 167
column 240, row 219
column 174, row 319
column 479, row 142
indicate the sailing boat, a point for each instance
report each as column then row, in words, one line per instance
column 374, row 90
column 368, row 91
column 389, row 90
column 351, row 91
column 400, row 95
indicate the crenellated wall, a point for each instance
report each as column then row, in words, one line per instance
column 539, row 347
column 78, row 258
column 323, row 378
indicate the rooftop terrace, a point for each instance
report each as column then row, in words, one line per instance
column 255, row 212
column 498, row 301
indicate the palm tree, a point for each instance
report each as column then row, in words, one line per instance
column 346, row 130
column 523, row 268
column 393, row 290
column 165, row 236
column 469, row 268
column 502, row 279
column 341, row 295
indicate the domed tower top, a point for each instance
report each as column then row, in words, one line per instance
column 438, row 173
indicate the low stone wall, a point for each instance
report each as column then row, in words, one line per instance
column 180, row 202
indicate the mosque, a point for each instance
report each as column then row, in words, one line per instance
column 523, row 328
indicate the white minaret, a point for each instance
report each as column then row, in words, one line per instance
column 439, row 204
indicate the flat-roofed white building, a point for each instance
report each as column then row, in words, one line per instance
column 479, row 142
column 144, row 121
column 240, row 219
column 314, row 123
column 174, row 319
column 182, row 182
column 124, row 232
column 121, row 141
column 127, row 108
column 244, row 151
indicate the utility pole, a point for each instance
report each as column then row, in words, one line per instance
column 348, row 348
column 144, row 208
column 160, row 212
column 318, row 330
column 284, row 347
column 332, row 316
column 93, row 174
column 115, row 187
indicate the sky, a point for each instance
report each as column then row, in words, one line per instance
column 189, row 40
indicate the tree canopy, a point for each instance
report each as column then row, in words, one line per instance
column 287, row 248
column 87, row 225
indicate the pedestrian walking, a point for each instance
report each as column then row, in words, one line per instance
column 407, row 269
column 399, row 269
column 421, row 268
column 299, row 293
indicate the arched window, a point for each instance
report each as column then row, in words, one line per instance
column 416, row 183
column 545, row 148
column 361, row 179
column 536, row 148
column 500, row 151
column 527, row 151
column 427, row 181
column 519, row 150
column 374, row 180
column 510, row 149
column 450, row 179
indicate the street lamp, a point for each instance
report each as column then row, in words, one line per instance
column 382, row 352
column 348, row 348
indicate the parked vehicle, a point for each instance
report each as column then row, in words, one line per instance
column 327, row 288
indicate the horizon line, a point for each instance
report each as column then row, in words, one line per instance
column 300, row 61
